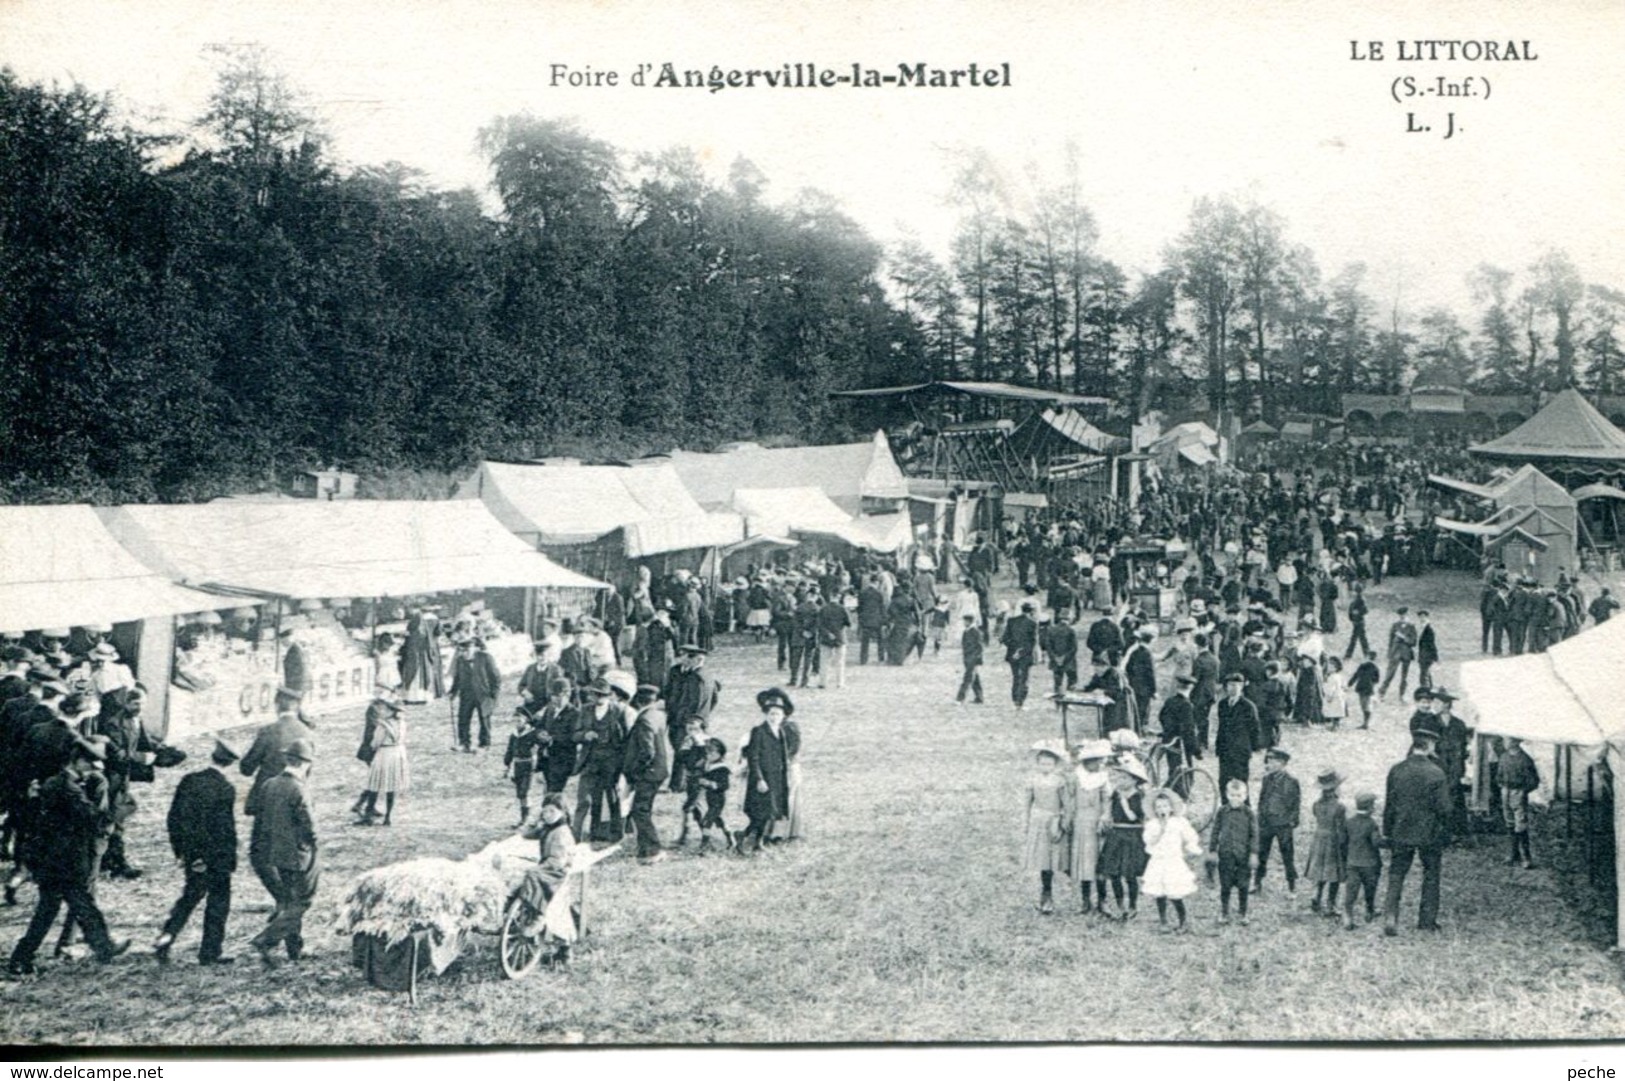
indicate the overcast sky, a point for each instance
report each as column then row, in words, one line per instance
column 1167, row 102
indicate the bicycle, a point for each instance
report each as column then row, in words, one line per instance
column 1167, row 768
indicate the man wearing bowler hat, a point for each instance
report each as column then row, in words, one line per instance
column 286, row 820
column 203, row 835
column 1416, row 821
column 601, row 733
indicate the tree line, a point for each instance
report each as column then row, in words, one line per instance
column 1237, row 315
column 184, row 314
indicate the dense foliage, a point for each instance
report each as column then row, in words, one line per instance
column 184, row 315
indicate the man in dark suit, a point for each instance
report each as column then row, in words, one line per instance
column 1060, row 644
column 1237, row 735
column 970, row 646
column 1416, row 821
column 475, row 683
column 264, row 761
column 646, row 762
column 689, row 691
column 871, row 620
column 73, row 814
column 1427, row 650
column 1357, row 613
column 558, row 720
column 1492, row 615
column 1177, row 724
column 539, row 677
column 601, row 734
column 1520, row 609
column 289, row 837
column 1104, row 637
column 1280, row 803
column 1020, row 641
column 576, row 660
column 203, row 834
column 1140, row 673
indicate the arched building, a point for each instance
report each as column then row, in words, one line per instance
column 1427, row 410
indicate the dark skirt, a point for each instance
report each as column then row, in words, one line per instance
column 1122, row 853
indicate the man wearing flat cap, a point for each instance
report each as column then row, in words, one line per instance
column 1176, row 721
column 689, row 691
column 1401, row 651
column 203, row 834
column 1416, row 821
column 1238, row 733
column 646, row 763
column 264, row 760
column 1020, row 642
column 287, row 825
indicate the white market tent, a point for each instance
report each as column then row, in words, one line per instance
column 577, row 504
column 1534, row 526
column 792, row 511
column 60, row 567
column 1566, row 697
column 851, row 475
column 341, row 548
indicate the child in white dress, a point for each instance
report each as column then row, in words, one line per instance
column 1169, row 839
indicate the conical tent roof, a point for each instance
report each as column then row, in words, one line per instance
column 1568, row 428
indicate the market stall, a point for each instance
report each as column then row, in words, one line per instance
column 1566, row 707
column 60, row 568
column 604, row 520
column 312, row 584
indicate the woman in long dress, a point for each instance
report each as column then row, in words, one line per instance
column 772, row 746
column 422, row 677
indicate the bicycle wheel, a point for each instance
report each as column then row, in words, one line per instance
column 520, row 952
column 1201, row 795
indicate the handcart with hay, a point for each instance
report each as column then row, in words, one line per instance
column 417, row 916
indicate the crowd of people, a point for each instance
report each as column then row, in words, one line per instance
column 1208, row 612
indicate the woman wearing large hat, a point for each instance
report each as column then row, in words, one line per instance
column 769, row 755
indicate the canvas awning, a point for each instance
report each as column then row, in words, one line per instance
column 1477, row 491
column 343, row 548
column 1034, row 500
column 564, row 505
column 761, row 540
column 59, row 567
column 808, row 511
column 1599, row 491
column 1197, row 454
column 1471, row 529
column 848, row 474
column 1567, row 695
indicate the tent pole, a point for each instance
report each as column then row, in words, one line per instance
column 1619, row 849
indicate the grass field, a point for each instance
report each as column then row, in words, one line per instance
column 904, row 917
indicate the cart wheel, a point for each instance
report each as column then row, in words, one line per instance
column 520, row 952
column 1201, row 795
